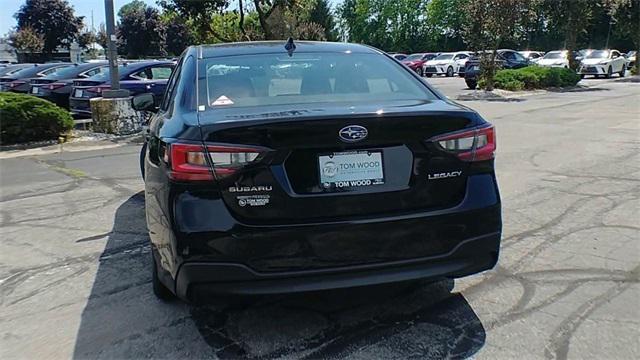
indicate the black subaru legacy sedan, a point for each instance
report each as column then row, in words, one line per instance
column 275, row 169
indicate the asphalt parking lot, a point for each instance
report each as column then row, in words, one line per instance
column 75, row 279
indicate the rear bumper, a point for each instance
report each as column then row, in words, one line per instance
column 198, row 281
column 79, row 106
column 226, row 256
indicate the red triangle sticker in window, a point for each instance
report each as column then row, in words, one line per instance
column 222, row 100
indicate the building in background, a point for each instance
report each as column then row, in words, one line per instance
column 7, row 53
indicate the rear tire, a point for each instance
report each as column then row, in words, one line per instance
column 143, row 153
column 471, row 84
column 420, row 72
column 449, row 71
column 159, row 290
column 622, row 72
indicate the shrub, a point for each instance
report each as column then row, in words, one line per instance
column 535, row 77
column 27, row 118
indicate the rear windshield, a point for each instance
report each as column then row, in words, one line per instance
column 276, row 79
column 598, row 54
column 414, row 57
column 554, row 55
column 65, row 71
column 33, row 71
column 444, row 57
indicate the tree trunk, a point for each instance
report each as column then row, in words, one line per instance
column 570, row 38
column 241, row 22
column 490, row 70
column 262, row 17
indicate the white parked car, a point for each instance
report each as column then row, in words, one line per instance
column 447, row 64
column 558, row 58
column 532, row 56
column 603, row 62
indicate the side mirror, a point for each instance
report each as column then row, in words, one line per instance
column 143, row 102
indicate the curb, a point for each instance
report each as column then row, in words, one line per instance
column 52, row 147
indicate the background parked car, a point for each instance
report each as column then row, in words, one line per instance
column 56, row 87
column 12, row 68
column 581, row 54
column 532, row 56
column 556, row 58
column 631, row 59
column 19, row 81
column 505, row 59
column 416, row 61
column 603, row 63
column 139, row 77
column 398, row 56
column 447, row 64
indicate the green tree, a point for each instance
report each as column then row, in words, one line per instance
column 392, row 26
column 179, row 33
column 26, row 40
column 321, row 14
column 201, row 14
column 53, row 19
column 86, row 38
column 445, row 24
column 627, row 16
column 572, row 18
column 101, row 36
column 490, row 24
column 141, row 31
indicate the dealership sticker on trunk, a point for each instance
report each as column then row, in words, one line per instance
column 253, row 200
column 222, row 100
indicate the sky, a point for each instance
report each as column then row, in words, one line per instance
column 81, row 7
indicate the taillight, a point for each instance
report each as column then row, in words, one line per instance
column 191, row 162
column 473, row 145
column 54, row 86
column 99, row 89
column 16, row 83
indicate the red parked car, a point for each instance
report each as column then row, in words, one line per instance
column 415, row 61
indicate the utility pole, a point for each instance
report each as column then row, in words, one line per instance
column 112, row 54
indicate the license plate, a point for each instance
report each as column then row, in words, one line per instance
column 78, row 93
column 351, row 169
column 476, row 67
column 34, row 90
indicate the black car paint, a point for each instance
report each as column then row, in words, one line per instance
column 26, row 75
column 471, row 74
column 310, row 240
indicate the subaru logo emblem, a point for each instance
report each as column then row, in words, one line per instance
column 353, row 133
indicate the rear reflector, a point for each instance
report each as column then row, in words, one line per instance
column 189, row 161
column 16, row 83
column 99, row 89
column 473, row 145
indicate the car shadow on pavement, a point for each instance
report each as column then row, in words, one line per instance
column 122, row 319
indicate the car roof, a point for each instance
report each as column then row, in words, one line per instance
column 30, row 71
column 271, row 47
